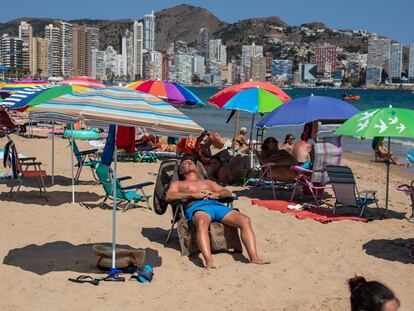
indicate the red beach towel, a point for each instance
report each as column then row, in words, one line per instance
column 315, row 213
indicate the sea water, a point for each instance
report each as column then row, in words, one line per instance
column 213, row 118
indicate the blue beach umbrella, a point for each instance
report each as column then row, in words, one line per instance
column 308, row 109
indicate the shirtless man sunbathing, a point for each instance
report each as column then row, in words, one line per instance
column 202, row 208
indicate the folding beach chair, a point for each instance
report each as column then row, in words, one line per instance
column 23, row 169
column 123, row 193
column 265, row 177
column 86, row 158
column 222, row 237
column 346, row 191
column 326, row 151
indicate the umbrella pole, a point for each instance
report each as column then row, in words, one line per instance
column 233, row 142
column 113, row 270
column 251, row 141
column 53, row 153
column 73, row 174
column 388, row 177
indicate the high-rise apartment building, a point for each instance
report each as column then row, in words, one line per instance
column 198, row 67
column 39, row 52
column 396, row 52
column 149, row 32
column 113, row 65
column 325, row 59
column 138, row 32
column 411, row 64
column 65, row 46
column 52, row 35
column 11, row 52
column 26, row 33
column 378, row 59
column 155, row 65
column 98, row 65
column 127, row 51
column 258, row 68
column 59, row 35
column 215, row 48
column 248, row 52
column 203, row 42
column 84, row 41
column 183, row 66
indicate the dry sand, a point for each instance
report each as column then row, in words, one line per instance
column 44, row 243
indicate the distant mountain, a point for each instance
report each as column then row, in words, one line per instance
column 183, row 22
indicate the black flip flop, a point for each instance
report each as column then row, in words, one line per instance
column 85, row 279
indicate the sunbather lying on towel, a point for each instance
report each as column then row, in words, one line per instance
column 202, row 208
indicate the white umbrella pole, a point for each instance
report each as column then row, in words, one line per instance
column 53, row 153
column 73, row 174
column 388, row 176
column 114, row 207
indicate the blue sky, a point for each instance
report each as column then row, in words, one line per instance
column 392, row 18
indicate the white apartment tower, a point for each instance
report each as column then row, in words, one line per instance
column 378, row 59
column 52, row 35
column 149, row 32
column 248, row 52
column 65, row 48
column 11, row 52
column 26, row 33
column 395, row 61
column 217, row 52
column 138, row 32
column 127, row 54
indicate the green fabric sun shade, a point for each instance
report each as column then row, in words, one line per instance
column 381, row 122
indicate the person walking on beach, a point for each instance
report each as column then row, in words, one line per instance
column 202, row 208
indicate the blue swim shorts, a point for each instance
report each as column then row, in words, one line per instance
column 307, row 165
column 213, row 208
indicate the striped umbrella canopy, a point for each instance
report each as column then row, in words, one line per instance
column 119, row 106
column 222, row 97
column 21, row 84
column 83, row 81
column 28, row 97
column 172, row 92
column 4, row 94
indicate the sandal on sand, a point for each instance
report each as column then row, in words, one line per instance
column 143, row 275
column 85, row 279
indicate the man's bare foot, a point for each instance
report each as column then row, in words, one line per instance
column 210, row 265
column 259, row 261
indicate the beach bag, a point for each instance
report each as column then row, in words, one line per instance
column 124, row 257
column 222, row 237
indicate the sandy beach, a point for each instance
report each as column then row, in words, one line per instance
column 45, row 243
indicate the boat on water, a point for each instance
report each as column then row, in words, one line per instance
column 351, row 97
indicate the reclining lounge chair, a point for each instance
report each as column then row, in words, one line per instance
column 126, row 194
column 346, row 191
column 85, row 158
column 222, row 237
